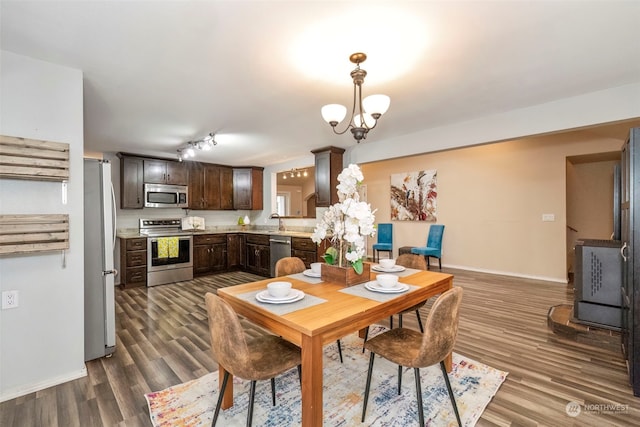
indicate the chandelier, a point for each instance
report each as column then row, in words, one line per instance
column 293, row 173
column 204, row 144
column 365, row 112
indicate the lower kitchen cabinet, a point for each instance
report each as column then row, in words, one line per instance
column 258, row 254
column 236, row 251
column 305, row 249
column 133, row 262
column 209, row 253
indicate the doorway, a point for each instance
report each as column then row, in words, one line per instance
column 589, row 195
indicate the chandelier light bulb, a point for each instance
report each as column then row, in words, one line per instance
column 376, row 105
column 365, row 112
column 333, row 113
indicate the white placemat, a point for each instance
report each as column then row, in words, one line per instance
column 361, row 291
column 280, row 309
column 308, row 279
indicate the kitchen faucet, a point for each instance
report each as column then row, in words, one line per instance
column 280, row 221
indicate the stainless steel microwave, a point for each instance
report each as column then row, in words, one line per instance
column 165, row 196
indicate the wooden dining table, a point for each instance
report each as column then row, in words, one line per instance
column 335, row 313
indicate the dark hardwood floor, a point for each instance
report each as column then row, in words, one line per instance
column 162, row 340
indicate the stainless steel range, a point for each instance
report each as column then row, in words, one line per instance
column 169, row 251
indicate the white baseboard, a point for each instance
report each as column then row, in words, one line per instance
column 563, row 280
column 31, row 388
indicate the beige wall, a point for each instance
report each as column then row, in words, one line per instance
column 491, row 199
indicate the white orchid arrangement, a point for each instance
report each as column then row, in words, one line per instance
column 348, row 222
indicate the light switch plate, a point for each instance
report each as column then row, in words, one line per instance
column 548, row 217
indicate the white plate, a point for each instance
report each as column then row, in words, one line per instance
column 394, row 269
column 375, row 287
column 294, row 295
column 310, row 273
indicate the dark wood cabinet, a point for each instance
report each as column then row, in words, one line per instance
column 258, row 254
column 133, row 262
column 236, row 251
column 328, row 163
column 210, row 186
column 226, row 188
column 247, row 188
column 158, row 171
column 209, row 253
column 305, row 249
column 131, row 182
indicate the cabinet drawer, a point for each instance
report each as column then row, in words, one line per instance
column 258, row 239
column 207, row 239
column 136, row 244
column 138, row 274
column 136, row 258
column 303, row 244
column 306, row 256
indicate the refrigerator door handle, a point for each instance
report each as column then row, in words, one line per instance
column 113, row 216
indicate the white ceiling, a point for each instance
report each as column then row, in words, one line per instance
column 160, row 73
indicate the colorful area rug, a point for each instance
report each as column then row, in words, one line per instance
column 474, row 384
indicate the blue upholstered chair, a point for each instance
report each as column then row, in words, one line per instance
column 385, row 241
column 434, row 245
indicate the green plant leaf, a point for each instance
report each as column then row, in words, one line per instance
column 358, row 266
column 330, row 256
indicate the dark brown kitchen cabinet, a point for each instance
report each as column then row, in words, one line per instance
column 305, row 249
column 226, row 188
column 247, row 188
column 131, row 182
column 133, row 262
column 210, row 186
column 209, row 253
column 236, row 251
column 258, row 254
column 165, row 172
column 328, row 162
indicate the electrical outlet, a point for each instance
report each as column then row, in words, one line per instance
column 9, row 299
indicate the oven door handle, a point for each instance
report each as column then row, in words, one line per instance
column 155, row 239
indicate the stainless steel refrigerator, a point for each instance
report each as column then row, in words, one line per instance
column 99, row 242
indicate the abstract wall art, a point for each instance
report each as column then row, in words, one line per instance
column 414, row 196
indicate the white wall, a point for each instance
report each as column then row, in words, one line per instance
column 42, row 340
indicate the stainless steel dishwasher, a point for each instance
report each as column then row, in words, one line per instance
column 280, row 247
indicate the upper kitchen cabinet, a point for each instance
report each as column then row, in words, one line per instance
column 226, row 188
column 210, row 186
column 165, row 172
column 328, row 167
column 247, row 188
column 131, row 182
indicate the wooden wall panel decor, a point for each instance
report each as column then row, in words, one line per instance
column 22, row 158
column 33, row 233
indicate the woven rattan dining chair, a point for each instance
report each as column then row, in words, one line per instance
column 292, row 265
column 407, row 347
column 259, row 358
